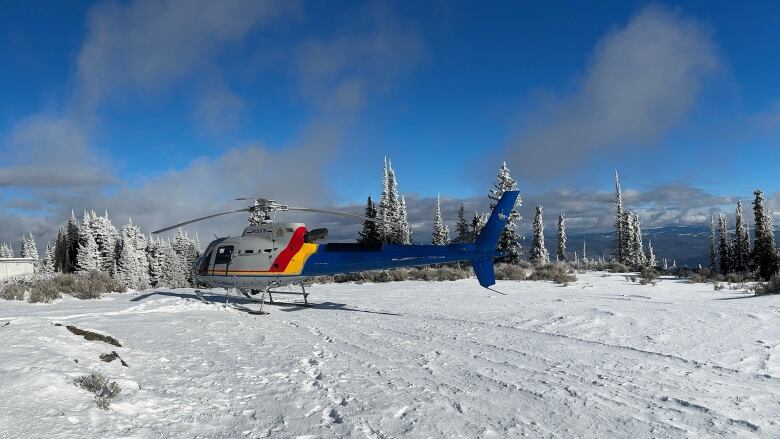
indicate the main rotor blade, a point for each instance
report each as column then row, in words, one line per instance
column 198, row 219
column 331, row 212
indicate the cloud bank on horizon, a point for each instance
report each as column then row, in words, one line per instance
column 642, row 80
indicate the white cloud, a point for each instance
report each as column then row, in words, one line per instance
column 641, row 81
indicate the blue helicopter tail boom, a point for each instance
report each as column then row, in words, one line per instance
column 488, row 238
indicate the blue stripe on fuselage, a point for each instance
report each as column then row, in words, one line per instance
column 328, row 261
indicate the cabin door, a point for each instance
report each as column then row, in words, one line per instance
column 222, row 260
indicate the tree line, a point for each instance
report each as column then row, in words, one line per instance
column 127, row 255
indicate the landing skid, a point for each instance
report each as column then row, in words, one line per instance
column 270, row 293
column 199, row 295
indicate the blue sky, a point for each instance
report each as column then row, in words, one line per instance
column 108, row 105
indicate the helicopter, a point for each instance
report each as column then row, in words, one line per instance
column 270, row 254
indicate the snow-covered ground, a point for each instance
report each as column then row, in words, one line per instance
column 600, row 358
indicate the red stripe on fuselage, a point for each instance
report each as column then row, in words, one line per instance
column 293, row 247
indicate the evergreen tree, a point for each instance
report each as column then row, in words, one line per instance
column 61, row 251
column 172, row 270
column 6, row 251
column 637, row 247
column 539, row 254
column 462, row 228
column 713, row 247
column 390, row 206
column 627, row 235
column 508, row 242
column 188, row 252
column 725, row 253
column 620, row 223
column 29, row 249
column 154, row 255
column 741, row 242
column 441, row 233
column 73, row 243
column 561, row 255
column 765, row 255
column 105, row 235
column 48, row 259
column 133, row 266
column 371, row 233
column 404, row 228
column 477, row 222
column 651, row 262
column 88, row 254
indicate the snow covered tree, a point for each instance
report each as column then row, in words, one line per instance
column 154, row 255
column 29, row 249
column 88, row 254
column 620, row 224
column 539, row 254
column 462, row 228
column 725, row 250
column 741, row 242
column 713, row 247
column 508, row 242
column 106, row 236
column 73, row 243
column 390, row 206
column 6, row 251
column 61, row 251
column 173, row 271
column 561, row 255
column 188, row 253
column 651, row 262
column 133, row 266
column 441, row 233
column 477, row 223
column 404, row 229
column 765, row 255
column 637, row 247
column 47, row 266
column 371, row 233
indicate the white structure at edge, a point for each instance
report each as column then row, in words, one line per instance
column 15, row 266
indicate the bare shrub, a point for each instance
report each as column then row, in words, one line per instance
column 718, row 286
column 698, row 278
column 44, row 291
column 511, row 271
column 96, row 383
column 13, row 291
column 648, row 276
column 617, row 267
column 44, row 288
column 771, row 287
column 739, row 278
column 558, row 272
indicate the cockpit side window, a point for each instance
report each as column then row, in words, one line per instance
column 224, row 254
column 204, row 263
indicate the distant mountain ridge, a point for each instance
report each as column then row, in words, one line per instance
column 688, row 245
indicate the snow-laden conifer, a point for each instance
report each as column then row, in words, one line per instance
column 539, row 254
column 29, row 249
column 741, row 242
column 404, row 228
column 173, row 273
column 725, row 250
column 73, row 243
column 188, row 253
column 106, row 236
column 508, row 241
column 638, row 249
column 372, row 231
column 561, row 255
column 477, row 222
column 48, row 264
column 132, row 265
column 651, row 262
column 88, row 254
column 441, row 233
column 713, row 246
column 5, row 251
column 765, row 255
column 155, row 257
column 620, row 223
column 462, row 228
